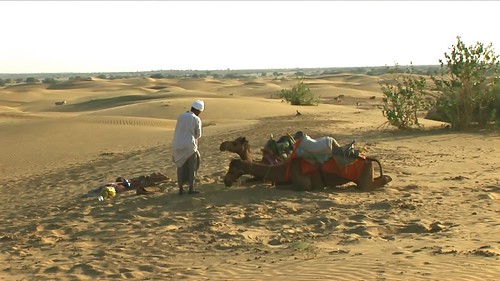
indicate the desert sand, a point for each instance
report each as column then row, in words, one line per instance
column 437, row 220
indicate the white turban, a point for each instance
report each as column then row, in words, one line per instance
column 199, row 105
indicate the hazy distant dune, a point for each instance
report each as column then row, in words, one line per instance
column 96, row 104
column 255, row 83
column 214, row 81
column 267, row 90
column 20, row 88
column 355, row 82
column 79, row 84
column 23, row 93
column 199, row 84
column 140, row 81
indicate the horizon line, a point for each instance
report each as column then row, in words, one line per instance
column 204, row 70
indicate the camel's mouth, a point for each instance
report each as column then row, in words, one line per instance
column 222, row 147
column 386, row 179
column 230, row 178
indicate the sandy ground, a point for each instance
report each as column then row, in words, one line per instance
column 437, row 220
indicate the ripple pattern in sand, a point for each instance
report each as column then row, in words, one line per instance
column 132, row 121
column 355, row 267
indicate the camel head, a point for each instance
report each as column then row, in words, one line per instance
column 234, row 172
column 239, row 146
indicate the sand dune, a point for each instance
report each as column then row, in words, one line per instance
column 437, row 220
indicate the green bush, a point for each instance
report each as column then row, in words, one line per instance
column 299, row 94
column 404, row 97
column 31, row 80
column 467, row 84
column 157, row 76
column 49, row 81
column 494, row 107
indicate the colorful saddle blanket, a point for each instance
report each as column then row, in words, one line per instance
column 282, row 147
column 322, row 154
column 351, row 171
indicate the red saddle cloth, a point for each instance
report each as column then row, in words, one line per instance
column 351, row 170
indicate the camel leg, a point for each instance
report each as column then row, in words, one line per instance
column 381, row 181
column 366, row 179
column 316, row 181
column 367, row 182
column 299, row 181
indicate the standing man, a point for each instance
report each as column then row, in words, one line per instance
column 185, row 152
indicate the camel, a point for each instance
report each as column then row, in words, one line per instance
column 269, row 169
column 241, row 146
column 316, row 180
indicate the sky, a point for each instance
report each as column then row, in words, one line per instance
column 129, row 36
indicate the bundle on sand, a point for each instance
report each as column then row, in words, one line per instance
column 139, row 184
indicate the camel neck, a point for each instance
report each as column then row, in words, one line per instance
column 245, row 154
column 267, row 172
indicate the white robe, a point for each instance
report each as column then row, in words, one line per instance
column 186, row 135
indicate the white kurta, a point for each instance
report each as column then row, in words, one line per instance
column 186, row 135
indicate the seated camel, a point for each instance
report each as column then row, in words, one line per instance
column 329, row 167
column 241, row 146
column 290, row 175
